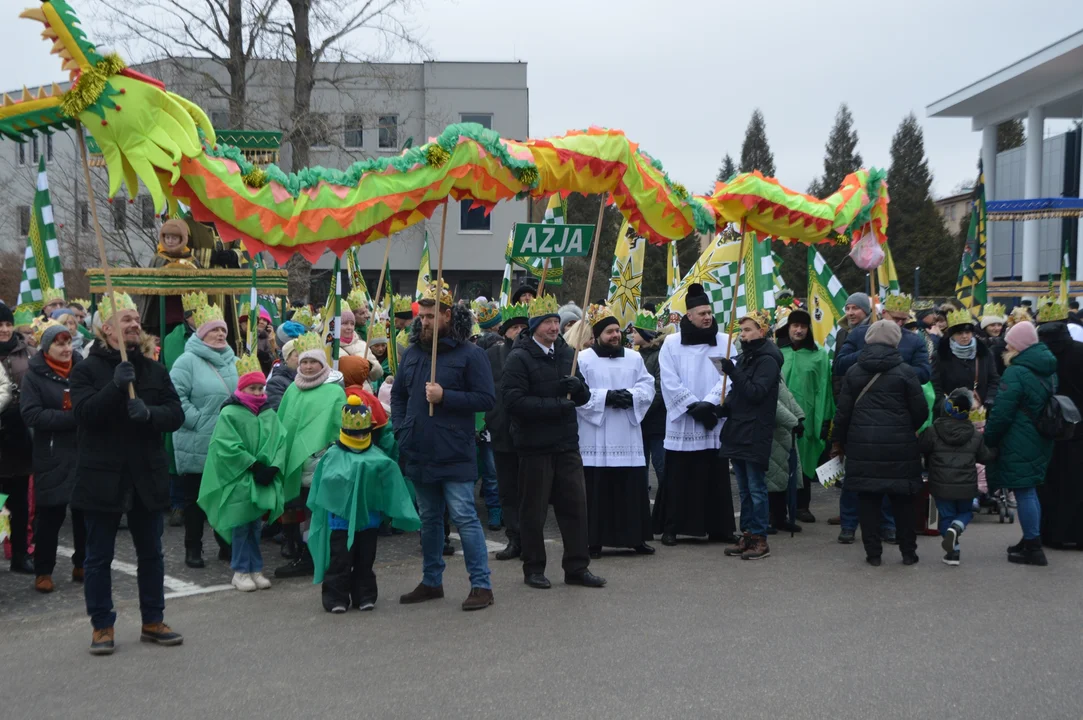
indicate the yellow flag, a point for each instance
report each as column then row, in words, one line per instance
column 424, row 272
column 626, row 278
column 887, row 279
column 712, row 261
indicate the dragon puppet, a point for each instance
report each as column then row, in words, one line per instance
column 155, row 137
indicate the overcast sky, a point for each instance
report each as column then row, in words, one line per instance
column 681, row 78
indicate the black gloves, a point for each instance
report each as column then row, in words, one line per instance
column 825, row 431
column 703, row 413
column 727, row 365
column 799, row 431
column 124, row 374
column 137, row 410
column 566, row 404
column 571, row 385
column 262, row 474
column 225, row 259
column 619, row 399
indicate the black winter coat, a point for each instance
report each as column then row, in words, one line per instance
column 53, row 430
column 543, row 419
column 654, row 422
column 752, row 401
column 950, row 372
column 878, row 434
column 1062, row 493
column 15, row 454
column 116, row 455
column 951, row 448
column 280, row 382
column 497, row 420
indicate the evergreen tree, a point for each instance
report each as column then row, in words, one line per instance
column 755, row 150
column 728, row 169
column 1010, row 135
column 840, row 154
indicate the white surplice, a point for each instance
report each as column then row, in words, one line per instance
column 608, row 436
column 689, row 376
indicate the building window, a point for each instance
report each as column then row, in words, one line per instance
column 24, row 220
column 120, row 215
column 20, row 153
column 389, row 132
column 220, row 119
column 483, row 119
column 146, row 212
column 473, row 218
column 48, row 148
column 36, row 152
column 353, row 137
column 84, row 214
column 319, row 130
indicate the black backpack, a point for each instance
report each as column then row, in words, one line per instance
column 1059, row 416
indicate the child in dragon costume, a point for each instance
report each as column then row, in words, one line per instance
column 356, row 485
column 242, row 480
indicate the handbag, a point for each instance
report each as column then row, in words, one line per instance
column 1059, row 415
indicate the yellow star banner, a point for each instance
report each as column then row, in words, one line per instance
column 710, row 266
column 626, row 279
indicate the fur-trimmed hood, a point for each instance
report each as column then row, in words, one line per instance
column 462, row 323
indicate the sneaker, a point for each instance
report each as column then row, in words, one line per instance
column 338, row 610
column 160, row 634
column 101, row 642
column 44, row 583
column 261, row 581
column 496, row 519
column 951, row 558
column 951, row 539
column 846, row 536
column 243, row 582
column 738, row 549
column 367, row 605
column 757, row 548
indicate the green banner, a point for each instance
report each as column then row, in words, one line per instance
column 547, row 240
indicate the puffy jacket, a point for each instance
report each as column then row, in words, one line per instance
column 752, row 401
column 840, row 340
column 951, row 372
column 787, row 414
column 15, row 453
column 282, row 376
column 7, row 393
column 1024, row 389
column 654, row 422
column 951, row 448
column 441, row 448
column 204, row 379
column 543, row 419
column 53, row 429
column 117, row 456
column 497, row 420
column 912, row 350
column 878, row 434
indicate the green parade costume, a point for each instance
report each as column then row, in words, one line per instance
column 173, row 344
column 806, row 371
column 311, row 419
column 228, row 493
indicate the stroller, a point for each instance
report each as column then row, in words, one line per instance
column 998, row 502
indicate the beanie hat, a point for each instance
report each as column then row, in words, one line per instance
column 883, row 332
column 317, row 354
column 289, row 330
column 264, row 315
column 569, row 312
column 347, row 316
column 860, row 300
column 695, row 297
column 958, row 403
column 987, row 320
column 52, row 332
column 6, row 315
column 202, row 330
column 57, row 314
column 1021, row 336
column 251, row 378
column 287, row 349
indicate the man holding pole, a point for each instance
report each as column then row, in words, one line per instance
column 439, row 449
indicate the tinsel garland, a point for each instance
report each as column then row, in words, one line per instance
column 92, row 82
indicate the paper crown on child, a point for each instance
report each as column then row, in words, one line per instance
column 646, row 321
column 403, row 338
column 599, row 313
column 123, row 302
column 760, row 317
column 960, row 318
column 515, row 311
column 978, row 414
column 206, row 313
column 430, row 294
column 900, row 303
column 303, row 315
column 81, row 302
column 1051, row 309
column 308, row 341
column 402, row 305
column 193, row 300
column 248, row 364
column 356, row 432
column 995, row 310
column 475, row 331
column 49, row 295
column 377, row 333
column 543, row 305
column 487, row 313
column 357, row 299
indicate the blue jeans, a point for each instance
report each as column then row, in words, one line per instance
column 752, row 487
column 490, row 494
column 655, row 449
column 1029, row 511
column 953, row 511
column 848, row 512
column 459, row 498
column 246, row 554
column 101, row 536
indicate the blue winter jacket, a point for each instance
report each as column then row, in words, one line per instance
column 204, row 378
column 911, row 347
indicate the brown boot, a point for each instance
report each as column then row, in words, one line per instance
column 77, row 575
column 160, row 634
column 478, row 599
column 101, row 642
column 44, row 583
column 740, row 547
column 757, row 548
column 422, row 593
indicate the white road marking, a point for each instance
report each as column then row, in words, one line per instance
column 492, row 545
column 177, row 588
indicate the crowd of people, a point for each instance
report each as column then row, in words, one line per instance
column 538, row 404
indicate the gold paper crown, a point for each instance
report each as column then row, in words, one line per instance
column 1019, row 314
column 485, row 312
column 356, row 416
column 994, row 310
column 760, row 317
column 206, row 314
column 898, row 303
column 920, row 305
column 80, row 302
column 960, row 317
column 1051, row 309
column 49, row 295
column 544, row 305
column 124, row 302
column 343, row 305
column 597, row 313
column 244, row 311
column 402, row 304
column 356, row 299
column 645, row 321
column 191, row 301
column 911, row 319
column 248, row 363
column 40, row 328
column 303, row 315
column 429, row 294
column 403, row 338
column 377, row 331
column 308, row 341
column 977, row 414
column 782, row 315
column 513, row 311
column 475, row 330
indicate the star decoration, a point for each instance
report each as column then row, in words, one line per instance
column 625, row 295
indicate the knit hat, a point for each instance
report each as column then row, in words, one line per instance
column 541, row 309
column 569, row 312
column 52, row 331
column 347, row 316
column 695, row 297
column 883, row 332
column 264, row 314
column 860, row 300
column 987, row 320
column 61, row 312
column 354, row 369
column 207, row 318
column 1021, row 336
column 319, row 355
column 287, row 349
column 356, row 432
column 251, row 378
column 6, row 315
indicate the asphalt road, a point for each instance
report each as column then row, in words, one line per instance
column 811, row 632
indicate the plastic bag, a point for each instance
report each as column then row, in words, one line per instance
column 867, row 253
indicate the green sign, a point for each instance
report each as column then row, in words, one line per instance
column 548, row 240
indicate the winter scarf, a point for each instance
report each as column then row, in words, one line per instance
column 692, row 335
column 307, row 382
column 964, row 352
column 253, row 402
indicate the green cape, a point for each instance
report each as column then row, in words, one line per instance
column 807, row 374
column 228, row 493
column 930, row 399
column 311, row 419
column 352, row 485
column 173, row 344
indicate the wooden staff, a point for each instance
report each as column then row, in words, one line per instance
column 590, row 272
column 439, row 294
column 379, row 290
column 101, row 252
column 541, row 285
column 875, row 293
column 733, row 307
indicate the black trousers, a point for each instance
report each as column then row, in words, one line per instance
column 194, row 517
column 804, row 493
column 868, row 514
column 555, row 479
column 778, row 504
column 349, row 575
column 47, row 522
column 507, row 484
column 18, row 491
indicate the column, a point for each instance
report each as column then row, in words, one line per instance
column 989, row 170
column 1079, row 224
column 1033, row 189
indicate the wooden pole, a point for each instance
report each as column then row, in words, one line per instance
column 379, row 292
column 590, row 272
column 541, row 285
column 733, row 306
column 439, row 293
column 101, row 251
column 875, row 294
